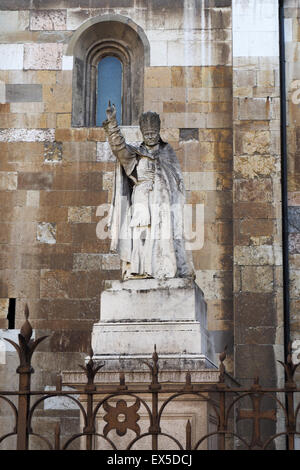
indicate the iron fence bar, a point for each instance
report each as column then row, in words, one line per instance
column 90, row 429
column 90, row 369
column 115, row 390
column 23, row 407
column 222, row 420
column 57, row 437
column 188, row 436
column 291, row 424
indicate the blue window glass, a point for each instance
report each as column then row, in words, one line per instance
column 109, row 88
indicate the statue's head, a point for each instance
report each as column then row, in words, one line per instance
column 150, row 127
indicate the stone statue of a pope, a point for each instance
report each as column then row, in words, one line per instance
column 146, row 218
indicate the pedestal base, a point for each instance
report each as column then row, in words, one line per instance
column 138, row 314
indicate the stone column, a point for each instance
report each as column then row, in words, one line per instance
column 258, row 317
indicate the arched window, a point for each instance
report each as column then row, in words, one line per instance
column 109, row 87
column 110, row 54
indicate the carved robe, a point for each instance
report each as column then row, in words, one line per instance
column 146, row 219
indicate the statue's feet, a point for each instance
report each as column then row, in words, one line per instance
column 127, row 276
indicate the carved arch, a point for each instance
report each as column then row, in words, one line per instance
column 99, row 37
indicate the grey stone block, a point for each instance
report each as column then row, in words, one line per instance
column 220, row 339
column 294, row 219
column 53, row 152
column 20, row 93
column 189, row 134
column 294, row 243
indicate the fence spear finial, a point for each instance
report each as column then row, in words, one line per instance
column 26, row 329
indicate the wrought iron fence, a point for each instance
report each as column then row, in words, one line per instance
column 226, row 401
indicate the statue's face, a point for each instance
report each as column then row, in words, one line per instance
column 151, row 137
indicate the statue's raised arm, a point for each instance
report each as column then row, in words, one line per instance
column 117, row 142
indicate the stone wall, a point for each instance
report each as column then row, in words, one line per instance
column 53, row 177
column 292, row 47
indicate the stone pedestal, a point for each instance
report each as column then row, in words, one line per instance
column 140, row 313
column 136, row 315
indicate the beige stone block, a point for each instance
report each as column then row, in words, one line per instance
column 22, row 151
column 46, row 77
column 215, row 284
column 165, row 94
column 219, row 120
column 215, row 135
column 292, row 52
column 256, row 142
column 64, row 77
column 264, row 92
column 170, row 135
column 96, row 134
column 200, row 181
column 157, row 77
column 278, row 272
column 244, row 78
column 294, row 261
column 190, row 53
column 195, row 197
column 63, row 120
column 275, row 108
column 79, row 151
column 258, row 255
column 294, row 198
column 131, row 133
column 87, row 261
column 156, row 106
column 79, row 215
column 209, row 94
column 8, row 181
column 295, row 283
column 104, row 152
column 35, row 108
column 22, row 283
column 265, row 78
column 181, row 120
column 237, row 280
column 257, row 279
column 243, row 92
column 75, row 17
column 107, row 180
column 2, row 92
column 110, row 261
column 256, row 165
column 275, row 125
column 275, row 144
column 23, row 232
column 27, row 120
column 255, row 108
column 33, row 198
column 3, row 310
column 58, row 99
column 235, row 109
column 4, row 74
